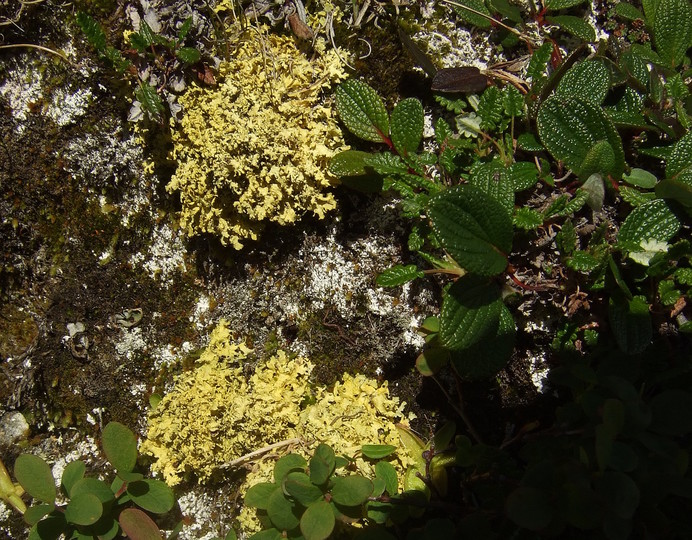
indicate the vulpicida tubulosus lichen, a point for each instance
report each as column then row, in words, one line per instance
column 255, row 148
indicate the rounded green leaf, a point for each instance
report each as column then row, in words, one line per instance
column 351, row 490
column 349, row 163
column 470, row 312
column 650, row 221
column 188, row 55
column 73, row 472
column 34, row 514
column 49, row 528
column 387, row 473
column 576, row 26
column 430, row 361
column 258, row 495
column 640, row 178
column 362, row 110
column 672, row 30
column 35, row 476
column 298, row 485
column 317, row 523
column 529, row 508
column 84, row 509
column 286, row 464
column 138, row 526
column 407, row 126
column 95, row 487
column 570, row 126
column 120, row 446
column 523, row 175
column 152, row 495
column 377, row 451
column 282, row 512
column 474, row 228
column 322, row 464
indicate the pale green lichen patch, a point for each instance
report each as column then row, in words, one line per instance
column 255, row 148
column 214, row 415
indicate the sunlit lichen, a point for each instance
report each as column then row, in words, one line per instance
column 255, row 148
column 214, row 415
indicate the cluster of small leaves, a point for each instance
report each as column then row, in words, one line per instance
column 149, row 51
column 94, row 508
column 313, row 499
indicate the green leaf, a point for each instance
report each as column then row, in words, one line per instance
column 628, row 12
column 469, row 16
column 34, row 475
column 377, row 451
column 631, row 323
column 95, row 487
column 146, row 34
column 149, row 98
column 349, row 163
column 554, row 5
column 120, row 446
column 574, row 25
column 527, row 218
column 570, row 127
column 672, row 30
column 485, row 358
column 286, row 464
column 600, row 159
column 362, row 110
column 35, row 513
column 651, row 221
column 184, row 29
column 668, row 293
column 596, row 191
column 138, row 526
column 529, row 143
column 151, row 495
column 267, row 534
column 640, row 178
column 582, row 261
column 680, row 157
column 351, row 490
column 679, row 190
column 470, row 312
column 493, row 179
column 84, row 509
column 73, row 472
column 513, row 101
column 539, row 62
column 188, row 55
column 322, row 464
column 258, row 495
column 398, row 275
column 51, row 527
column 92, row 30
column 318, row 521
column 490, row 108
column 387, row 472
column 407, row 126
column 432, row 360
column 636, row 197
column 523, row 174
column 530, row 508
column 589, row 79
column 386, row 163
column 139, row 42
column 299, row 486
column 282, row 512
column 474, row 228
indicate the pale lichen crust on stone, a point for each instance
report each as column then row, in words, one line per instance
column 255, row 148
column 215, row 415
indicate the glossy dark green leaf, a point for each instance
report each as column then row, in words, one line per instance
column 680, row 157
column 120, row 446
column 470, row 312
column 92, row 30
column 576, row 26
column 672, row 30
column 589, row 79
column 679, row 190
column 473, row 17
column 349, row 163
column 628, row 11
column 407, row 126
column 318, row 521
column 351, row 490
column 523, row 175
column 494, row 179
column 149, row 99
column 35, row 476
column 322, row 464
column 630, row 321
column 362, row 110
column 474, row 228
column 398, row 275
column 138, row 526
column 527, row 218
column 84, row 509
column 188, row 55
column 651, row 221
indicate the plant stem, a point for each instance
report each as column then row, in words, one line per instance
column 264, row 450
column 39, row 47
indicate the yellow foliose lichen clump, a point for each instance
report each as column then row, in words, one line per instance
column 255, row 148
column 214, row 416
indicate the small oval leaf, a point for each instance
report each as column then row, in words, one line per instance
column 151, row 495
column 84, row 509
column 377, row 451
column 35, row 476
column 362, row 110
column 318, row 521
column 120, row 446
column 398, row 275
column 138, row 526
column 322, row 464
column 407, row 126
column 351, row 490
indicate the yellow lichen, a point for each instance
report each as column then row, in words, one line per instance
column 256, row 147
column 214, row 416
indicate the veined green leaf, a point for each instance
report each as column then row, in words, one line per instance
column 473, row 18
column 589, row 79
column 493, row 179
column 150, row 100
column 523, row 174
column 349, row 163
column 188, row 55
column 474, row 228
column 92, row 30
column 470, row 312
column 631, row 323
column 362, row 110
column 574, row 25
column 672, row 30
column 527, row 218
column 680, row 157
column 554, row 5
column 539, row 61
column 650, row 221
column 299, row 486
column 569, row 128
column 407, row 126
column 628, row 11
